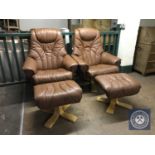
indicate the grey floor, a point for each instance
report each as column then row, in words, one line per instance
column 19, row 115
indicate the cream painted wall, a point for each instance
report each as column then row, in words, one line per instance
column 128, row 40
column 27, row 24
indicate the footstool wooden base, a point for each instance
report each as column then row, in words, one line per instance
column 113, row 103
column 115, row 86
column 60, row 111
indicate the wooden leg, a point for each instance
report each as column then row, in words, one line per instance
column 115, row 102
column 124, row 105
column 67, row 116
column 111, row 107
column 65, row 107
column 52, row 120
column 100, row 99
column 60, row 111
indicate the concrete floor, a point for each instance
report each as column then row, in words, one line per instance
column 17, row 117
column 11, row 98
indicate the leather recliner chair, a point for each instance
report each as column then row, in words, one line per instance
column 48, row 60
column 90, row 55
column 52, row 70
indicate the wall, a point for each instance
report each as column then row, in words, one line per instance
column 128, row 39
column 147, row 22
column 27, row 24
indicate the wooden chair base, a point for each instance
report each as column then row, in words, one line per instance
column 113, row 103
column 60, row 111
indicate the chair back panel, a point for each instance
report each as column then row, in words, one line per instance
column 47, row 48
column 88, row 45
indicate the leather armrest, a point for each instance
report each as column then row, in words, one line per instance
column 83, row 66
column 69, row 63
column 30, row 67
column 108, row 58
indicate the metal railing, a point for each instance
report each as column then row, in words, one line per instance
column 14, row 48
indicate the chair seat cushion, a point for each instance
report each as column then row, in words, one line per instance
column 118, row 85
column 54, row 94
column 45, row 76
column 102, row 69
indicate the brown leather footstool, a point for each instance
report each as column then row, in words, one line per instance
column 56, row 96
column 117, row 85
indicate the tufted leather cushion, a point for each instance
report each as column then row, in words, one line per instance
column 50, row 95
column 45, row 76
column 47, row 48
column 118, row 85
column 102, row 69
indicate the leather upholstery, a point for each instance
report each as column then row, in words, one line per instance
column 47, row 52
column 107, row 58
column 118, row 85
column 82, row 64
column 88, row 52
column 45, row 76
column 54, row 94
column 102, row 69
column 88, row 46
column 30, row 67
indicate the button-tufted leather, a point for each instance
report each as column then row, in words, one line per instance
column 118, row 85
column 47, row 54
column 54, row 94
column 88, row 51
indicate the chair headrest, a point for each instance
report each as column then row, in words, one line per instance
column 45, row 35
column 87, row 34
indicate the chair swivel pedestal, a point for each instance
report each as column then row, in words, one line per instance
column 60, row 111
column 113, row 103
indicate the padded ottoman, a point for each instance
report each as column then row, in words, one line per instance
column 118, row 85
column 51, row 96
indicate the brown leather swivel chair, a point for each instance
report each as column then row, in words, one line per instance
column 90, row 55
column 48, row 60
column 52, row 70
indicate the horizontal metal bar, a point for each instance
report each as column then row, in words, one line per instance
column 110, row 32
column 27, row 34
column 67, row 33
column 11, row 83
column 15, row 34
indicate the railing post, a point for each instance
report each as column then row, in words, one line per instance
column 2, row 69
column 118, row 28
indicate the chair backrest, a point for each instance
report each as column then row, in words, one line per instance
column 47, row 48
column 88, row 45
